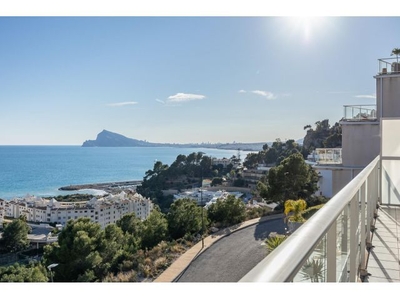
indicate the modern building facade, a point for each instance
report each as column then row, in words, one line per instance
column 361, row 132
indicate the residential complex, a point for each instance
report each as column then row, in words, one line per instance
column 204, row 197
column 104, row 211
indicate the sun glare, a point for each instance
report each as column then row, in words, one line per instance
column 305, row 26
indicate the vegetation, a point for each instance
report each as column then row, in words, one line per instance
column 71, row 198
column 274, row 241
column 294, row 210
column 14, row 236
column 291, row 179
column 33, row 272
column 396, row 51
column 185, row 172
column 227, row 212
column 185, row 218
column 272, row 155
column 323, row 136
column 313, row 270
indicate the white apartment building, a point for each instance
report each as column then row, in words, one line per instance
column 2, row 212
column 104, row 211
column 221, row 161
column 205, row 197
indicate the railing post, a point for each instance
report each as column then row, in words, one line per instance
column 353, row 237
column 363, row 228
column 331, row 253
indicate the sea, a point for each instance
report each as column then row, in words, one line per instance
column 42, row 170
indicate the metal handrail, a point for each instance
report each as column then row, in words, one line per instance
column 282, row 264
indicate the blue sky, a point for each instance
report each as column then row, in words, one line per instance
column 184, row 79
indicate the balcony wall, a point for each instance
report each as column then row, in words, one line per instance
column 360, row 143
column 390, row 158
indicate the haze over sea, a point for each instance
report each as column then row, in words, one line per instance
column 42, row 170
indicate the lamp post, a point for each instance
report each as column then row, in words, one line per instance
column 51, row 272
column 202, row 215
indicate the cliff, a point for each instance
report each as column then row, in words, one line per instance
column 323, row 136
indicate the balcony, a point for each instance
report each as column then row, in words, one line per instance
column 388, row 66
column 360, row 113
column 328, row 156
column 341, row 243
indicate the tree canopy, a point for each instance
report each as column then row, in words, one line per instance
column 272, row 155
column 293, row 178
column 184, row 172
column 185, row 218
column 77, row 251
column 229, row 211
column 323, row 136
column 15, row 236
column 33, row 272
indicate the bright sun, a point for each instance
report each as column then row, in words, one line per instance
column 305, row 26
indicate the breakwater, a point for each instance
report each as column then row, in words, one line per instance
column 106, row 186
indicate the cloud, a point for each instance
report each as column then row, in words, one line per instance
column 366, row 96
column 242, row 91
column 122, row 103
column 158, row 100
column 182, row 97
column 265, row 94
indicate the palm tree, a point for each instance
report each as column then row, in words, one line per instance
column 294, row 210
column 396, row 51
column 297, row 212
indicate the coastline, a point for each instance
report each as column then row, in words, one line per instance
column 106, row 186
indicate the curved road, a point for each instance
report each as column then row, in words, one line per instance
column 232, row 257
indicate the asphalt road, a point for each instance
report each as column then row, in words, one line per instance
column 232, row 257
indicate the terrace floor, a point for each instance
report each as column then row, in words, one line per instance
column 384, row 257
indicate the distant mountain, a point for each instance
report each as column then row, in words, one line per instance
column 111, row 139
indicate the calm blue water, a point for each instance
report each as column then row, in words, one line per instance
column 42, row 170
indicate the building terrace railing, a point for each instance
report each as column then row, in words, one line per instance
column 332, row 245
column 328, row 156
column 365, row 112
column 388, row 66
